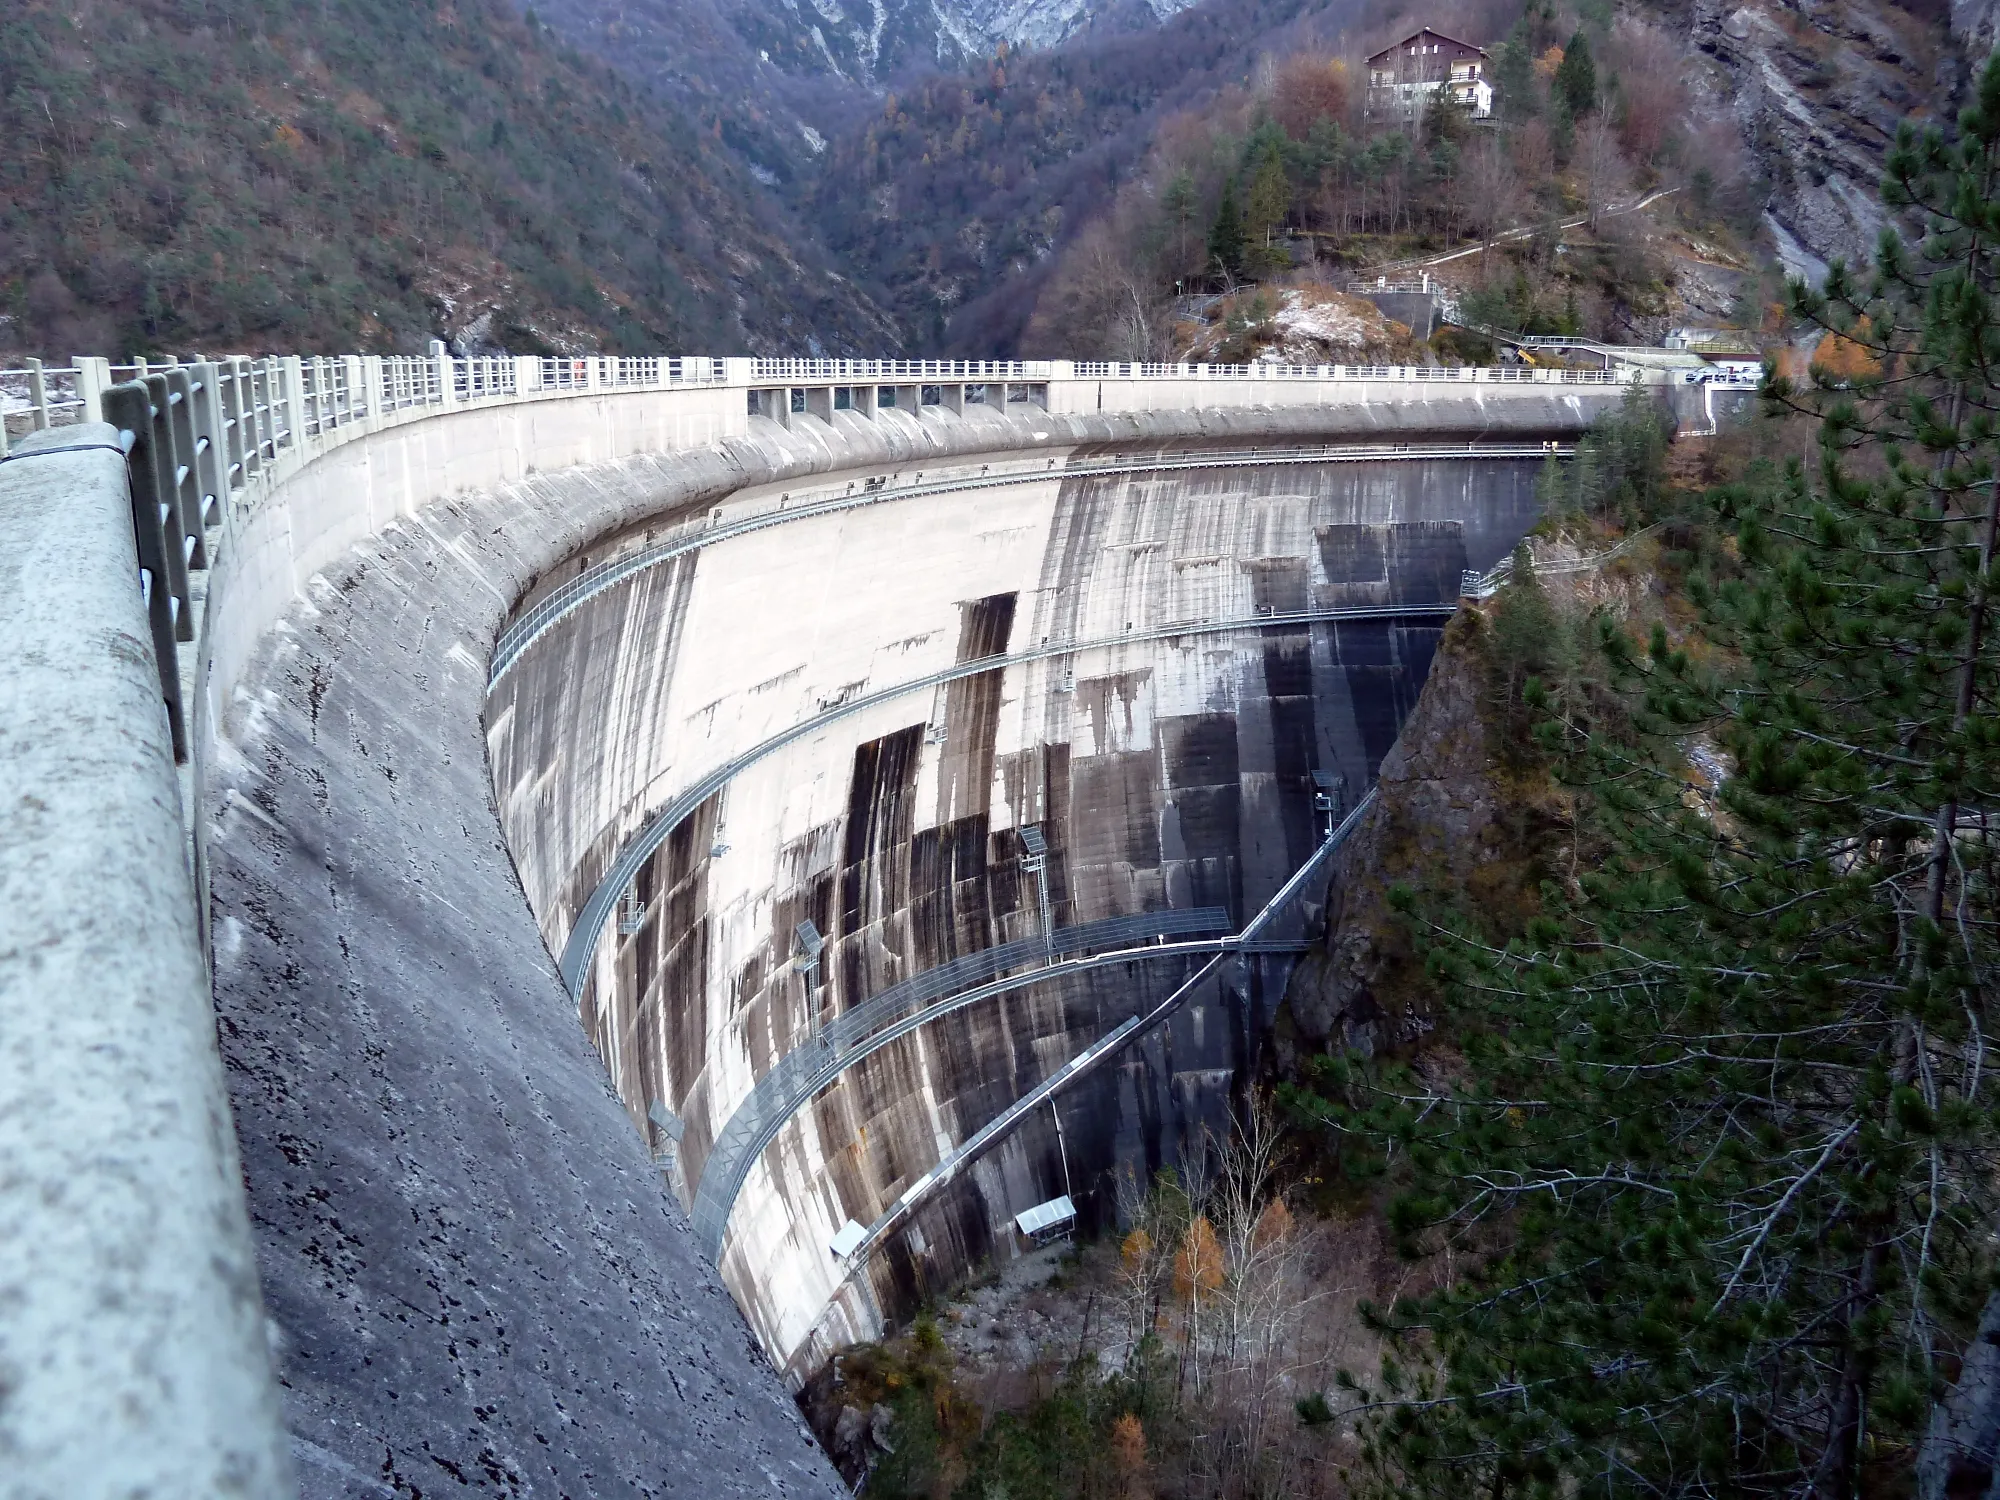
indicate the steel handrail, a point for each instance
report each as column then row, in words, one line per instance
column 581, row 942
column 561, row 602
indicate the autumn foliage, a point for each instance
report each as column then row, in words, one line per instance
column 1198, row 1263
column 1843, row 359
column 1310, row 89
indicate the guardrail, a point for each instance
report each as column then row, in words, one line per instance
column 308, row 395
column 1486, row 585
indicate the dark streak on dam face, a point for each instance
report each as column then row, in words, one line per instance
column 1170, row 772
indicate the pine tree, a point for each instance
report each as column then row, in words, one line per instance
column 1576, row 78
column 1226, row 237
column 1178, row 203
column 1717, row 1160
column 1269, row 203
column 1514, row 79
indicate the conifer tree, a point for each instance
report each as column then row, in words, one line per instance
column 1715, row 1162
column 1226, row 237
column 1575, row 82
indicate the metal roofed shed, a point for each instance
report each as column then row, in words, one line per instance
column 1048, row 1222
column 846, row 1239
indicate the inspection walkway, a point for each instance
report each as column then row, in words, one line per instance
column 640, row 847
column 806, row 504
column 864, row 1029
column 857, row 1033
column 1113, row 1042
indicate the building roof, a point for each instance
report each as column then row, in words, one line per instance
column 1046, row 1215
column 1430, row 31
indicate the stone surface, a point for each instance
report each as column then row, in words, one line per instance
column 132, row 1348
column 1818, row 89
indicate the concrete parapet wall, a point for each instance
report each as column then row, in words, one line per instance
column 132, row 1338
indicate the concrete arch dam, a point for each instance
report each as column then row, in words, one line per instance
column 841, row 702
column 688, row 676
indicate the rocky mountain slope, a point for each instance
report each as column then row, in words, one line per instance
column 946, row 152
column 1818, row 88
column 862, row 42
column 1461, row 808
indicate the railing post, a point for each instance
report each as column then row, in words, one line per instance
column 211, row 443
column 356, row 404
column 527, row 374
column 230, row 408
column 292, row 378
column 261, row 440
column 38, row 395
column 442, row 372
column 172, row 422
column 93, row 378
column 131, row 409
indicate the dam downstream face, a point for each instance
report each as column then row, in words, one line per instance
column 1158, row 737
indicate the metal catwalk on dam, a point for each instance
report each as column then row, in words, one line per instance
column 839, row 708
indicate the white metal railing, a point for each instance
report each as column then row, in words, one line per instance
column 1486, row 585
column 900, row 369
column 313, row 395
column 223, row 423
column 35, row 398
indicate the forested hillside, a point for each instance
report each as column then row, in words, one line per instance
column 965, row 197
column 1289, row 180
column 368, row 174
column 954, row 194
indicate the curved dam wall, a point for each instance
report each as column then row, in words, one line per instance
column 1165, row 770
column 474, row 1268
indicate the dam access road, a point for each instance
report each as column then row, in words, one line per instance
column 857, row 751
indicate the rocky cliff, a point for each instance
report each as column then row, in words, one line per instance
column 1818, row 88
column 1437, row 818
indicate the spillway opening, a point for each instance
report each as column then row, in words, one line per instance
column 867, row 811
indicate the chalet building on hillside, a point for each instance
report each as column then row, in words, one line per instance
column 1402, row 78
